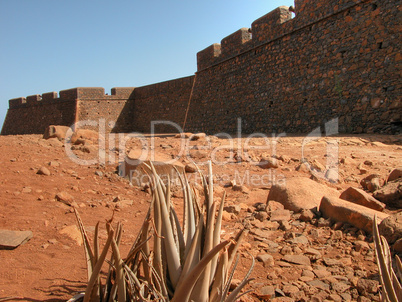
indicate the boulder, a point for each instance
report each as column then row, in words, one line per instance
column 360, row 197
column 391, row 227
column 391, row 193
column 372, row 182
column 268, row 163
column 135, row 166
column 395, row 174
column 344, row 211
column 80, row 136
column 58, row 132
column 299, row 193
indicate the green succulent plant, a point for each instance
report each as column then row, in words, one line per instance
column 168, row 261
column 391, row 286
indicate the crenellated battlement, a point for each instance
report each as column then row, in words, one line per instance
column 262, row 30
column 79, row 93
column 275, row 24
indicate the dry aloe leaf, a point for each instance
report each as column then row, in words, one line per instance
column 120, row 279
column 201, row 291
column 172, row 254
column 194, row 253
column 97, row 268
column 183, row 291
column 385, row 274
column 234, row 294
column 217, row 235
column 89, row 255
column 234, row 247
column 220, row 278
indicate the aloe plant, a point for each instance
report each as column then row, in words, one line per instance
column 186, row 262
column 391, row 286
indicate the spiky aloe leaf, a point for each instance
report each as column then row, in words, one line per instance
column 89, row 254
column 382, row 250
column 218, row 285
column 194, row 254
column 235, row 293
column 172, row 254
column 96, row 270
column 120, row 276
column 217, row 235
column 183, row 292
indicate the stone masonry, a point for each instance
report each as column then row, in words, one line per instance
column 290, row 72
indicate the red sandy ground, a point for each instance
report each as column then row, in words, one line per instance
column 51, row 265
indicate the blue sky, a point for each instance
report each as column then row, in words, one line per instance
column 51, row 45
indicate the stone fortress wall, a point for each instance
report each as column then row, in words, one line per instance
column 287, row 73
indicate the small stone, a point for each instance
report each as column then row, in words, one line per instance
column 12, row 239
column 395, row 174
column 267, row 292
column 190, row 168
column 262, row 216
column 241, row 188
column 266, row 259
column 306, row 215
column 235, row 209
column 280, row 215
column 43, row 171
column 65, row 197
column 99, row 173
column 26, row 190
column 269, row 163
column 297, row 259
column 54, row 163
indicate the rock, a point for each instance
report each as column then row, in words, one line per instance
column 65, row 197
column 273, row 205
column 395, row 174
column 26, row 190
column 268, row 163
column 198, row 136
column 135, row 166
column 12, row 239
column 190, row 168
column 372, row 182
column 267, row 292
column 360, row 197
column 235, row 209
column 73, row 232
column 365, row 286
column 280, row 215
column 319, row 284
column 297, row 259
column 391, row 193
column 266, row 259
column 300, row 193
column 391, row 227
column 397, row 247
column 226, row 216
column 341, row 210
column 262, row 216
column 43, row 171
column 306, row 215
column 81, row 135
column 58, row 132
column 241, row 188
column 183, row 135
column 99, row 173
